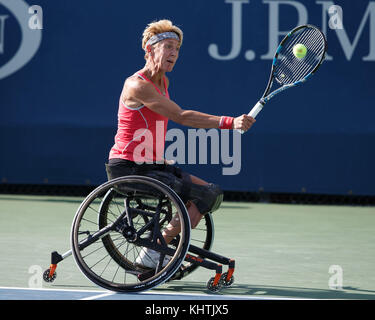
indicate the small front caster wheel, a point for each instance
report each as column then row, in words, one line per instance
column 224, row 282
column 212, row 287
column 47, row 277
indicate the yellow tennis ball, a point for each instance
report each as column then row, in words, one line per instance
column 299, row 50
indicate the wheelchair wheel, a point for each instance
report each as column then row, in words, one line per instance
column 202, row 236
column 116, row 221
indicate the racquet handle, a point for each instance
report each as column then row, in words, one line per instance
column 256, row 109
column 254, row 112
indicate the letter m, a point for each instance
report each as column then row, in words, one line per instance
column 2, row 27
column 342, row 36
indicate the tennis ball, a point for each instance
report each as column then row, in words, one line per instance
column 299, row 50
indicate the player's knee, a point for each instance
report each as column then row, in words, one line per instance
column 207, row 198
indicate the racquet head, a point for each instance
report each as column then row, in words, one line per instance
column 286, row 67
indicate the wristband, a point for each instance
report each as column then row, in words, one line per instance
column 226, row 122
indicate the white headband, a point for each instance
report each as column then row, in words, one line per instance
column 161, row 36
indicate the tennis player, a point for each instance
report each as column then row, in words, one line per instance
column 144, row 111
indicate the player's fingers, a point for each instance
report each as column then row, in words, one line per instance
column 248, row 122
column 244, row 122
column 251, row 119
column 245, row 125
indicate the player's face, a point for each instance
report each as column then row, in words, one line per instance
column 166, row 54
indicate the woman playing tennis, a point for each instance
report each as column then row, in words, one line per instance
column 144, row 111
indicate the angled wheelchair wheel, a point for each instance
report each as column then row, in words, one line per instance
column 202, row 236
column 118, row 220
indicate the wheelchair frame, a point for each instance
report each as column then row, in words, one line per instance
column 132, row 190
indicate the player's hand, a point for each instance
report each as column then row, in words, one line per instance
column 243, row 122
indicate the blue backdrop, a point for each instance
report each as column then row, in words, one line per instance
column 59, row 89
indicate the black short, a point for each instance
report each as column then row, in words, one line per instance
column 167, row 173
column 207, row 198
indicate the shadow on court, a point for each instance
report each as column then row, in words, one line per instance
column 271, row 291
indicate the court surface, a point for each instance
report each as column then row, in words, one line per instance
column 281, row 252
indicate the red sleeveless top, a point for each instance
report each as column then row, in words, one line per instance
column 141, row 132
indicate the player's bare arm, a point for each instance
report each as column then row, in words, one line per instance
column 139, row 92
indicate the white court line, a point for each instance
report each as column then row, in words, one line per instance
column 99, row 296
column 232, row 297
column 102, row 294
column 51, row 289
column 109, row 293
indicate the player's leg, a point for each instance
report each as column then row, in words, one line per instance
column 203, row 198
column 147, row 257
column 174, row 228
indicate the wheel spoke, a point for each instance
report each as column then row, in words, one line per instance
column 114, row 223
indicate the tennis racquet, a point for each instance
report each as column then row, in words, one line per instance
column 290, row 71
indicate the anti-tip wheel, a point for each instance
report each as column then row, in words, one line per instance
column 47, row 277
column 212, row 287
column 224, row 282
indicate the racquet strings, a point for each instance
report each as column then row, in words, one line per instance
column 289, row 69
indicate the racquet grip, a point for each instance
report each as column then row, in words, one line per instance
column 254, row 111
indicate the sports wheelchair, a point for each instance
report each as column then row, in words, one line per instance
column 122, row 216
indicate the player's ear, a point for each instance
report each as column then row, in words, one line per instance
column 148, row 51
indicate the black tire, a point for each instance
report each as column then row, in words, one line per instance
column 224, row 282
column 212, row 287
column 47, row 277
column 202, row 236
column 98, row 243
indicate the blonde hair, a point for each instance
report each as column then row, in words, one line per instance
column 160, row 26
